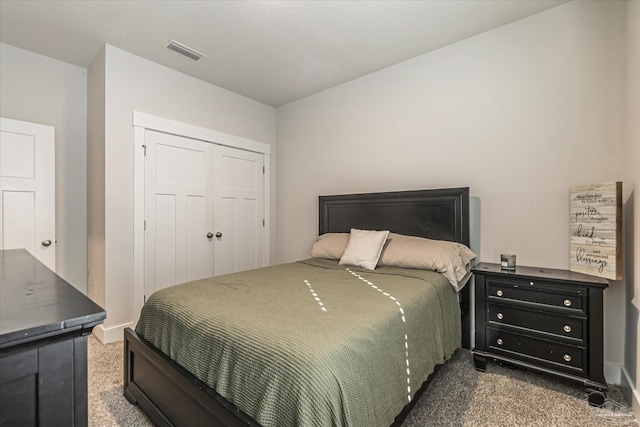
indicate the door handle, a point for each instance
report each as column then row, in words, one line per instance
column 209, row 235
column 46, row 243
column 218, row 234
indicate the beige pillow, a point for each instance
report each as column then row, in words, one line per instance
column 330, row 245
column 364, row 248
column 452, row 259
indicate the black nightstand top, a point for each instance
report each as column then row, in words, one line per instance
column 541, row 273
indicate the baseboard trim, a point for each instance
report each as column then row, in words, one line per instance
column 631, row 392
column 111, row 334
column 611, row 373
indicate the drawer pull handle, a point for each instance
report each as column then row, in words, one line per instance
column 499, row 292
column 567, row 302
column 567, row 328
column 499, row 341
column 567, row 357
column 500, row 316
column 530, row 283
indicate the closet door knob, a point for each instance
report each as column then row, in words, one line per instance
column 218, row 234
column 209, row 235
column 46, row 243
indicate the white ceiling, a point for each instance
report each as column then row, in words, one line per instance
column 272, row 51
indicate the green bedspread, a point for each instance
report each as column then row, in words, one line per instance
column 309, row 343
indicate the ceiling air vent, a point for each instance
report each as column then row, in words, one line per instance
column 185, row 51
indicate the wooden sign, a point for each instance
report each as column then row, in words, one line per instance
column 596, row 230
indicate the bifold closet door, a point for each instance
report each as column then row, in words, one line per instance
column 204, row 210
column 178, row 210
column 238, row 210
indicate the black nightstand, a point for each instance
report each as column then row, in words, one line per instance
column 541, row 319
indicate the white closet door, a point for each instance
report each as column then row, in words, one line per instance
column 239, row 210
column 178, row 210
column 27, row 189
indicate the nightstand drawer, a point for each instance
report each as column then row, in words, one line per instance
column 533, row 350
column 551, row 323
column 537, row 292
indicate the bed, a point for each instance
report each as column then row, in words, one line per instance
column 307, row 343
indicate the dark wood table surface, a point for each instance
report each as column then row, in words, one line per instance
column 35, row 302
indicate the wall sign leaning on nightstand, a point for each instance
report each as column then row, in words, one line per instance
column 596, row 230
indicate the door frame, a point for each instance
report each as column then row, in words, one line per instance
column 143, row 122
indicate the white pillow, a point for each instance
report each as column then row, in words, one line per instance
column 364, row 248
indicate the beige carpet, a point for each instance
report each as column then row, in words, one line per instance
column 458, row 396
column 107, row 405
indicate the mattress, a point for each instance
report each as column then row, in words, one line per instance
column 309, row 343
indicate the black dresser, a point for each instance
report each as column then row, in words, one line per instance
column 546, row 320
column 44, row 323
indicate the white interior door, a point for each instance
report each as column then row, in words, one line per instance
column 27, row 189
column 239, row 210
column 178, row 210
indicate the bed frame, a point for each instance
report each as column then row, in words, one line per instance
column 171, row 396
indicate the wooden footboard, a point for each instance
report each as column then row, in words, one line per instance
column 170, row 395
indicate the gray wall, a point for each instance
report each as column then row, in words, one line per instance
column 631, row 379
column 519, row 114
column 133, row 84
column 35, row 88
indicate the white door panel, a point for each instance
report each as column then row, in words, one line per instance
column 165, row 236
column 239, row 210
column 19, row 156
column 248, row 236
column 178, row 210
column 198, row 249
column 18, row 215
column 27, row 188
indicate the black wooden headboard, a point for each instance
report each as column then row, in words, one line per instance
column 441, row 214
